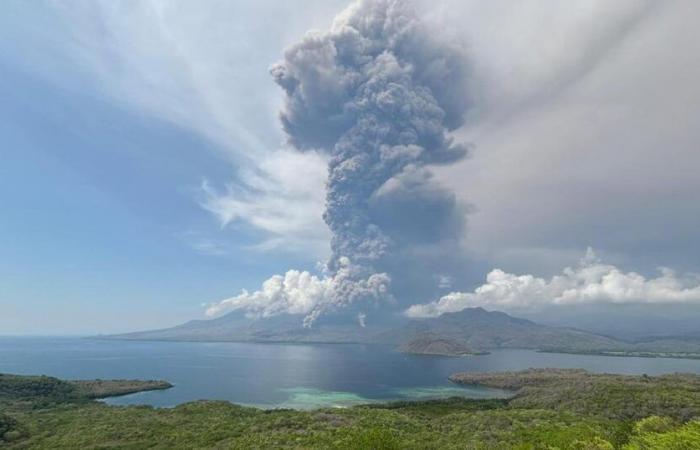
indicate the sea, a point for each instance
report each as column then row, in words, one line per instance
column 298, row 376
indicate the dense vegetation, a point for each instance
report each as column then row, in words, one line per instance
column 39, row 391
column 552, row 409
column 113, row 388
column 617, row 397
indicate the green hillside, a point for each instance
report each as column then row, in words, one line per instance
column 551, row 409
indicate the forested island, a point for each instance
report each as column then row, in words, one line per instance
column 550, row 408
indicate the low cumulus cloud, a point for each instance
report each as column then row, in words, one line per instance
column 300, row 292
column 592, row 281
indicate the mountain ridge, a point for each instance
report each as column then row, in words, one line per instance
column 470, row 331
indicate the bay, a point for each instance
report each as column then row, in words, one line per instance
column 300, row 376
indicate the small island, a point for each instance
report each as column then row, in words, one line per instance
column 627, row 353
column 431, row 344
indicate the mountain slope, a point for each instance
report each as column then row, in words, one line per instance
column 472, row 330
column 235, row 327
column 482, row 330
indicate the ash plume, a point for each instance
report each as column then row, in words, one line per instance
column 379, row 93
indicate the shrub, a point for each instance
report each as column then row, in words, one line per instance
column 686, row 437
column 376, row 439
column 593, row 444
column 654, row 424
column 10, row 430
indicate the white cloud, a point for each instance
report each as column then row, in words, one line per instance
column 361, row 319
column 444, row 281
column 203, row 244
column 300, row 292
column 296, row 292
column 590, row 282
column 283, row 197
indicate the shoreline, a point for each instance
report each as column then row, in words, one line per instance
column 609, row 353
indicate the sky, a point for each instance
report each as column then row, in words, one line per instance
column 153, row 167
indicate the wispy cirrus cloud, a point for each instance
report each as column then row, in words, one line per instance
column 283, row 197
column 186, row 64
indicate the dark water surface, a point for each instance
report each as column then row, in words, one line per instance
column 288, row 375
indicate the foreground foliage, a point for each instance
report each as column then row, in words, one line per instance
column 551, row 410
column 613, row 396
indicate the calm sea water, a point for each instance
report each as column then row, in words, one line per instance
column 294, row 376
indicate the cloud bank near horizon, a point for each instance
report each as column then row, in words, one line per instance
column 592, row 281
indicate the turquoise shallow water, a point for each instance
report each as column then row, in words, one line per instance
column 288, row 376
column 309, row 398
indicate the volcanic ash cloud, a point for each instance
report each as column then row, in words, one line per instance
column 379, row 93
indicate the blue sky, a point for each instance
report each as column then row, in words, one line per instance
column 145, row 173
column 102, row 228
column 101, row 213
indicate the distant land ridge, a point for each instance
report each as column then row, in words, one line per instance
column 467, row 332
